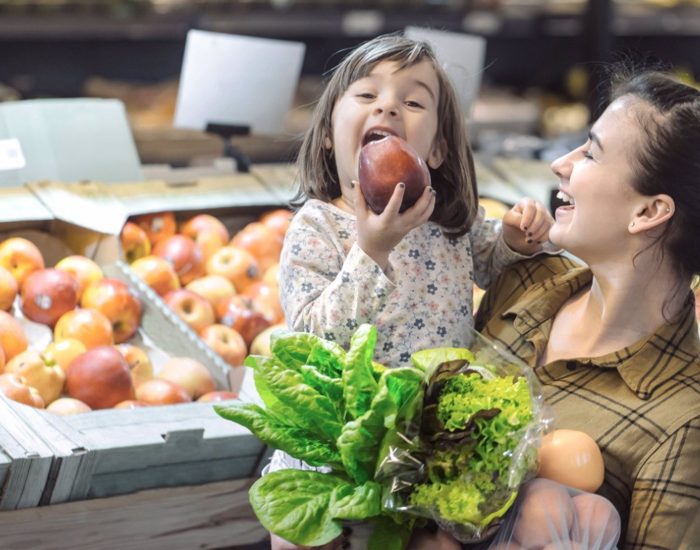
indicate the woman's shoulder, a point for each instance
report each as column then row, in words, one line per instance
column 528, row 279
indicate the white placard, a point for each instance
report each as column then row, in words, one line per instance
column 462, row 57
column 11, row 156
column 237, row 81
column 67, row 140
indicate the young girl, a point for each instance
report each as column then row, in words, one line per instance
column 410, row 274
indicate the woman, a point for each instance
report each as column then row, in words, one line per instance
column 615, row 344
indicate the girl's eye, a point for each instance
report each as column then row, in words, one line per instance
column 366, row 95
column 587, row 154
column 414, row 104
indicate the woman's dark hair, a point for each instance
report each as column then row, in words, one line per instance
column 669, row 159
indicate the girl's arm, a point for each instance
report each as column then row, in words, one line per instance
column 322, row 290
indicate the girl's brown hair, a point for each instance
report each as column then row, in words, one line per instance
column 454, row 181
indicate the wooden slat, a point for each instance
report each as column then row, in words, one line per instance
column 31, row 458
column 214, row 515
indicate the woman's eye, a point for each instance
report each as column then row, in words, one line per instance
column 588, row 154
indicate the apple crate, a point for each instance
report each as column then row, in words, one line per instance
column 105, row 453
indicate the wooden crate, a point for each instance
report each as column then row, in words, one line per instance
column 215, row 515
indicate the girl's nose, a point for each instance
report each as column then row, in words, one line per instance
column 388, row 106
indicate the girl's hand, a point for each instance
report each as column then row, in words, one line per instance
column 378, row 234
column 526, row 226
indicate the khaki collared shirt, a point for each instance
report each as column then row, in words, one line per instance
column 641, row 403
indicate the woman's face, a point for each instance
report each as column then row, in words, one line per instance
column 387, row 101
column 596, row 179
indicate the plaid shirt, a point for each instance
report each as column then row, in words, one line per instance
column 641, row 404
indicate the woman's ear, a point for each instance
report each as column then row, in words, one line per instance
column 437, row 154
column 652, row 213
column 327, row 143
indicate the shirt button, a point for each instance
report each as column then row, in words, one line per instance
column 571, row 365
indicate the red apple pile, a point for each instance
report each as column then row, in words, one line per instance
column 89, row 364
column 224, row 287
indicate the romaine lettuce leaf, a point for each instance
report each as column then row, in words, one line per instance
column 275, row 432
column 359, row 385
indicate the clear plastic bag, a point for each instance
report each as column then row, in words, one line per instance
column 466, row 450
column 551, row 516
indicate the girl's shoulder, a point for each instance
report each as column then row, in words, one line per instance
column 321, row 216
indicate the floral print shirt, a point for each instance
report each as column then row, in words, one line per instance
column 329, row 286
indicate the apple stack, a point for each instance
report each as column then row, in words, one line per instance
column 89, row 362
column 224, row 288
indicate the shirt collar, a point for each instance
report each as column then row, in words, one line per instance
column 644, row 365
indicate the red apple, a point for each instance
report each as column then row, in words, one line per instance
column 140, row 365
column 205, row 223
column 156, row 273
column 213, row 288
column 47, row 377
column 134, row 241
column 62, row 352
column 161, row 392
column 12, row 338
column 386, row 162
column 20, row 257
column 131, row 404
column 189, row 374
column 266, row 300
column 262, row 242
column 8, row 289
column 236, row 264
column 277, row 220
column 89, row 326
column 47, row 294
column 114, row 300
column 85, row 270
column 100, row 378
column 239, row 313
column 226, row 342
column 218, row 395
column 191, row 308
column 261, row 343
column 184, row 255
column 158, row 226
column 14, row 388
column 67, row 406
column 272, row 275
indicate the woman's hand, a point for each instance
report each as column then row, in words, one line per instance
column 378, row 234
column 526, row 226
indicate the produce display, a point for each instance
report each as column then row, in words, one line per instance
column 450, row 438
column 70, row 342
column 224, row 288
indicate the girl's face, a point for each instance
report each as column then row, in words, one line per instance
column 596, row 179
column 387, row 101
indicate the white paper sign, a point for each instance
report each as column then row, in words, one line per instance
column 237, row 81
column 462, row 57
column 11, row 156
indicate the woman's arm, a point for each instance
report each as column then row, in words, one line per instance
column 665, row 507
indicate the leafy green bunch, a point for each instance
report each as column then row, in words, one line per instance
column 474, row 429
column 328, row 407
